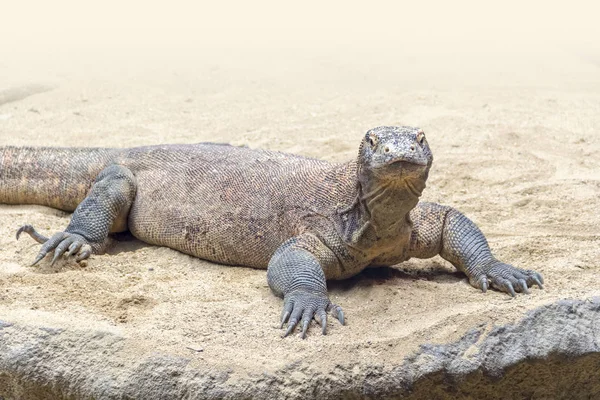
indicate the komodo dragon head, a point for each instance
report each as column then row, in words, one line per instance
column 395, row 155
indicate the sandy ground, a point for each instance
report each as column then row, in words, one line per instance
column 516, row 144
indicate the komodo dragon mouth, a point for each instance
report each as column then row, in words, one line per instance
column 406, row 162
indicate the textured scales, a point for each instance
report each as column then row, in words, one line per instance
column 303, row 219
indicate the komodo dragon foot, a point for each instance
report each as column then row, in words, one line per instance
column 505, row 277
column 69, row 244
column 302, row 305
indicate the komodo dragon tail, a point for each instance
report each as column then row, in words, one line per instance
column 50, row 176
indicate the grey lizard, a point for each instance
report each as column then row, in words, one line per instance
column 305, row 220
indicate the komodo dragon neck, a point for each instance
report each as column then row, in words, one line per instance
column 380, row 208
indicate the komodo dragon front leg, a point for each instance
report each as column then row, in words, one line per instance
column 104, row 210
column 445, row 231
column 295, row 273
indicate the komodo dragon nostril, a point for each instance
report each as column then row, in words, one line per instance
column 412, row 148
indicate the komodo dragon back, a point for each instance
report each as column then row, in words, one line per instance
column 228, row 204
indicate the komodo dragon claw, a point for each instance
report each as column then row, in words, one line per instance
column 41, row 239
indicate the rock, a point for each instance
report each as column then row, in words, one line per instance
column 552, row 352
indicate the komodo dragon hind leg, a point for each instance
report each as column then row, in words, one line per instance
column 295, row 273
column 106, row 206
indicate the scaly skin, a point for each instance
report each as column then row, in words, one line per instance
column 305, row 220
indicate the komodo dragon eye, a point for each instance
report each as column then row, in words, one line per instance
column 421, row 137
column 372, row 140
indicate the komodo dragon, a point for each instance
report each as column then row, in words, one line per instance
column 303, row 219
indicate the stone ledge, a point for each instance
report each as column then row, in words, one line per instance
column 552, row 352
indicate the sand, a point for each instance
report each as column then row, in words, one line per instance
column 516, row 143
